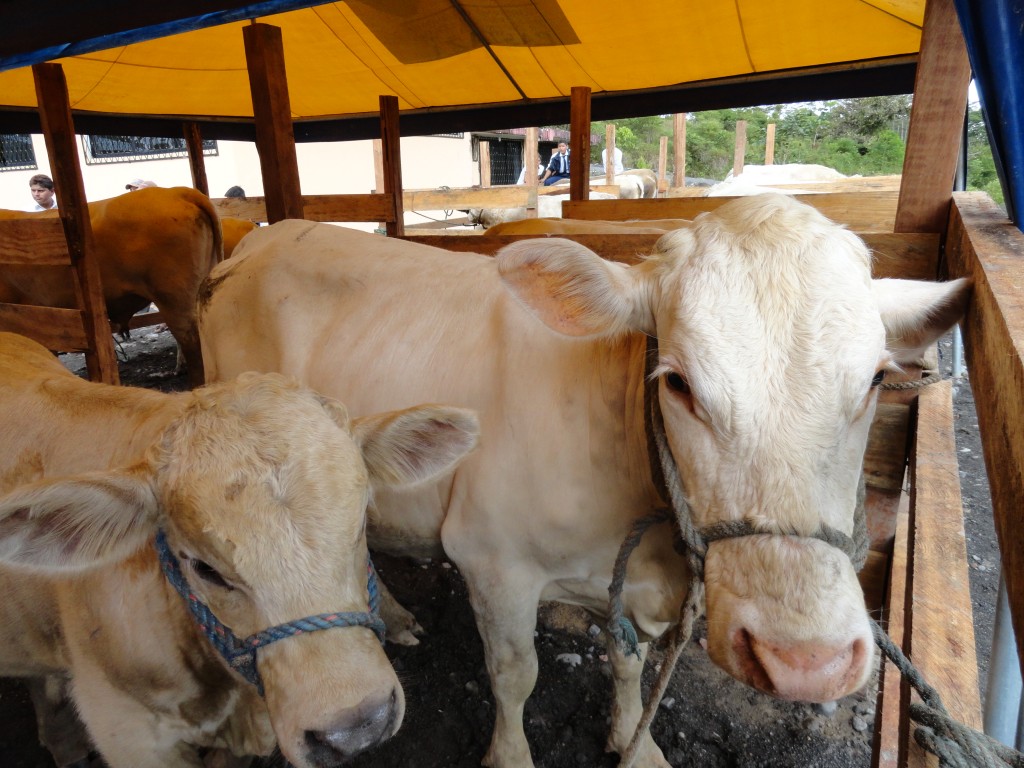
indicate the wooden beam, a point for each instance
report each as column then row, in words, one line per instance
column 62, row 330
column 196, row 159
column 863, row 212
column 579, row 143
column 609, row 152
column 936, row 122
column 531, row 161
column 941, row 621
column 630, row 248
column 33, row 242
column 349, row 207
column 679, row 150
column 59, row 133
column 769, row 145
column 740, row 151
column 275, row 134
column 485, row 164
column 982, row 244
column 662, row 164
column 391, row 149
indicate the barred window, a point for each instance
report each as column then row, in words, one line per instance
column 122, row 149
column 17, row 153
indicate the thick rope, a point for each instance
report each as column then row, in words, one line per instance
column 955, row 744
column 932, row 378
column 240, row 654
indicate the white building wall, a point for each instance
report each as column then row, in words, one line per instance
column 325, row 168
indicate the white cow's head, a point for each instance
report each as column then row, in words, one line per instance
column 772, row 337
column 261, row 488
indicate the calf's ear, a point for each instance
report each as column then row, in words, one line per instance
column 916, row 313
column 571, row 289
column 416, row 444
column 79, row 522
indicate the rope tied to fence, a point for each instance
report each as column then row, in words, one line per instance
column 955, row 744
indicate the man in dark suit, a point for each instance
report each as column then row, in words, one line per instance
column 558, row 168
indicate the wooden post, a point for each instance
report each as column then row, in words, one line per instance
column 740, row 152
column 769, row 145
column 196, row 161
column 679, row 150
column 59, row 133
column 579, row 143
column 530, row 162
column 936, row 122
column 378, row 177
column 275, row 135
column 662, row 165
column 485, row 163
column 609, row 153
column 391, row 149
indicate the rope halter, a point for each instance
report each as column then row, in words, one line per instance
column 240, row 654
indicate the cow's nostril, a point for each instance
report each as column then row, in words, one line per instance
column 359, row 729
column 754, row 673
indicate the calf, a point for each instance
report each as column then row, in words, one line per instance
column 250, row 497
column 771, row 340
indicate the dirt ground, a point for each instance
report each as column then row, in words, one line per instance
column 707, row 719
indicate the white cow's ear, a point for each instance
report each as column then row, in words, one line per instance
column 416, row 444
column 916, row 313
column 571, row 289
column 79, row 522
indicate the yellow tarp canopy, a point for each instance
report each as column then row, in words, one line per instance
column 340, row 57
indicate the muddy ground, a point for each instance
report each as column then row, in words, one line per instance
column 707, row 719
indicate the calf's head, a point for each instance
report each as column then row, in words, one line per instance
column 261, row 488
column 772, row 340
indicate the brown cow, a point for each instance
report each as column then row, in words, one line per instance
column 250, row 497
column 153, row 245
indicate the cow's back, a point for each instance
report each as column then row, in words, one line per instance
column 385, row 324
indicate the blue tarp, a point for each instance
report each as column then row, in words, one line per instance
column 994, row 32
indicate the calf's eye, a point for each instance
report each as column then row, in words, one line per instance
column 879, row 378
column 677, row 383
column 209, row 574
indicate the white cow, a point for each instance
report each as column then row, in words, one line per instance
column 771, row 339
column 259, row 489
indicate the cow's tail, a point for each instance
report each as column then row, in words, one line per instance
column 203, row 203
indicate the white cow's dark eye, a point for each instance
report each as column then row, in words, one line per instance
column 879, row 378
column 677, row 383
column 208, row 573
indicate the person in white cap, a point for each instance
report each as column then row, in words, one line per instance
column 137, row 184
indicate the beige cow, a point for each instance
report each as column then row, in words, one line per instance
column 259, row 488
column 771, row 338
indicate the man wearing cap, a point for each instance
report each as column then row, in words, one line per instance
column 137, row 184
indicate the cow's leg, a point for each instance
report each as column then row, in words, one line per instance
column 401, row 625
column 627, row 707
column 505, row 603
column 60, row 730
column 126, row 733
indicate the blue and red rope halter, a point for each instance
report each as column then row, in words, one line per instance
column 240, row 654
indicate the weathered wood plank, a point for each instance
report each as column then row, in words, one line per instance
column 889, row 746
column 391, row 157
column 984, row 245
column 62, row 148
column 885, row 457
column 33, row 241
column 936, row 122
column 941, row 621
column 579, row 142
column 145, row 320
column 275, row 134
column 368, row 207
column 861, row 211
column 907, row 256
column 61, row 330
